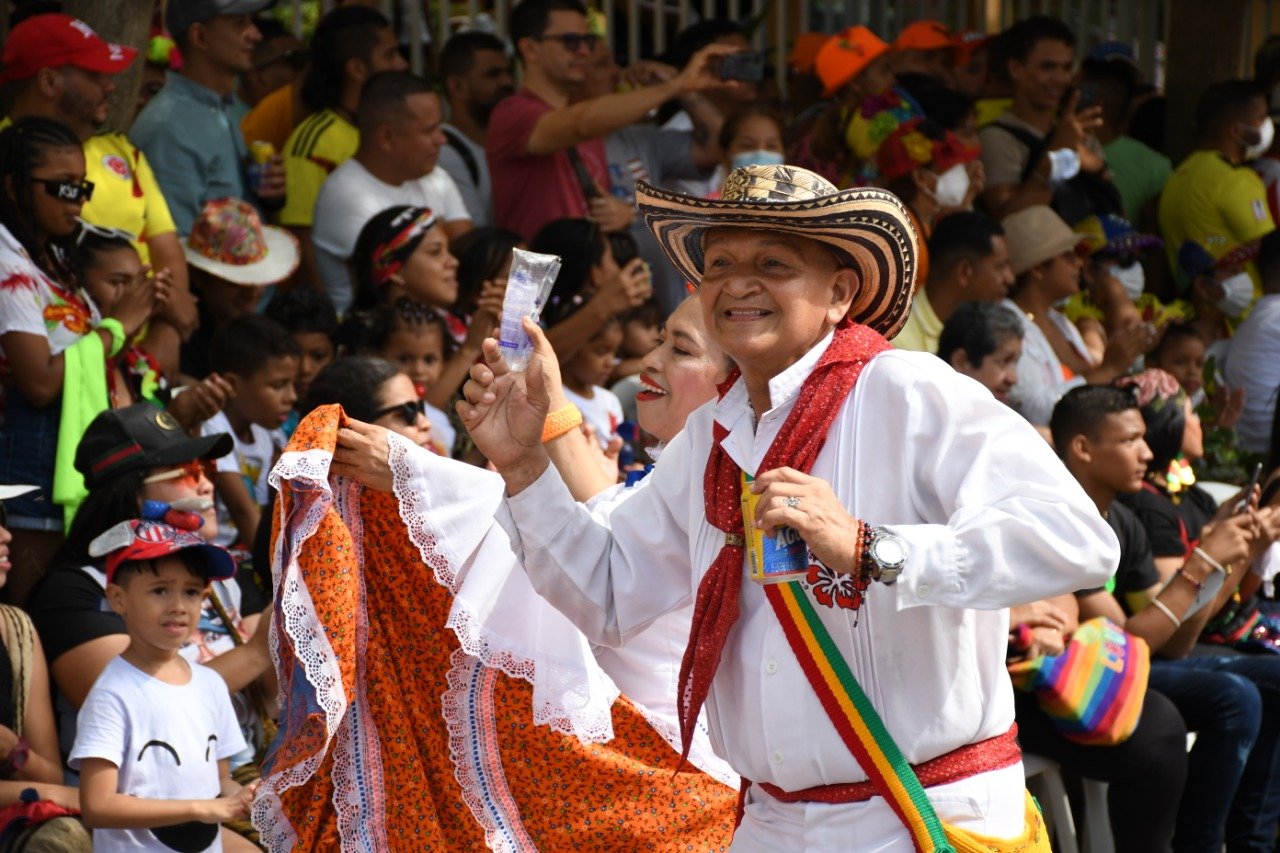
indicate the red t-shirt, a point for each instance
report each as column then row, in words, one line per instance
column 530, row 190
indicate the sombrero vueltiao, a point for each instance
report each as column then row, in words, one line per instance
column 868, row 228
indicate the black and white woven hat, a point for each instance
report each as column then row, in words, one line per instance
column 868, row 228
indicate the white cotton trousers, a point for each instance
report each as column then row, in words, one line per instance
column 988, row 804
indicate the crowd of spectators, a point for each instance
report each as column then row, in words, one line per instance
column 284, row 224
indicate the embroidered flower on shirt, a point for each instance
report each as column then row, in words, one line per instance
column 833, row 589
column 75, row 320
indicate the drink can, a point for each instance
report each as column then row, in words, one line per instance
column 260, row 152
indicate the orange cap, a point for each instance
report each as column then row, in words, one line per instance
column 805, row 51
column 846, row 55
column 924, row 35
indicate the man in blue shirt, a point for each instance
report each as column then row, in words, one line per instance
column 190, row 131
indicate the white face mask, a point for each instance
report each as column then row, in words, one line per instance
column 758, row 157
column 952, row 186
column 1131, row 278
column 1237, row 294
column 1266, row 135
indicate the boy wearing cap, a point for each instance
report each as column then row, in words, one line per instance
column 190, row 131
column 155, row 733
column 61, row 69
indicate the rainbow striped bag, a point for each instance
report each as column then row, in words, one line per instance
column 1093, row 690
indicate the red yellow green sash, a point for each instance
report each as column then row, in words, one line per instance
column 856, row 720
column 864, row 733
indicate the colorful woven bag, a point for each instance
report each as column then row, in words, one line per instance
column 1093, row 690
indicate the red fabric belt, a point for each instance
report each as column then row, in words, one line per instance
column 969, row 760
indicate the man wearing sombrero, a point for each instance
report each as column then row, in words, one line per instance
column 893, row 508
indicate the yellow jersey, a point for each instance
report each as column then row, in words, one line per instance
column 321, row 143
column 126, row 194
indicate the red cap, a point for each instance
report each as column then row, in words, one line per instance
column 925, row 35
column 139, row 539
column 967, row 43
column 54, row 40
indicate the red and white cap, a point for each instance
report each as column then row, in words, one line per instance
column 54, row 40
column 140, row 539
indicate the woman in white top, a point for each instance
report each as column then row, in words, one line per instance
column 1042, row 252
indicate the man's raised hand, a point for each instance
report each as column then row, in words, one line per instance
column 504, row 412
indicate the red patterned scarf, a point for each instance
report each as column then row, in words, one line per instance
column 797, row 445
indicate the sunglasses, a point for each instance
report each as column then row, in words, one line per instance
column 191, row 471
column 408, row 412
column 67, row 190
column 574, row 42
column 87, row 228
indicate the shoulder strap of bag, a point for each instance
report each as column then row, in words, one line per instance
column 588, row 183
column 854, row 717
column 1036, row 146
column 468, row 159
column 19, row 643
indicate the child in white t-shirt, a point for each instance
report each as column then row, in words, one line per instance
column 155, row 733
column 260, row 360
column 584, row 374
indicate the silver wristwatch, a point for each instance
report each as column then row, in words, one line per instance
column 888, row 554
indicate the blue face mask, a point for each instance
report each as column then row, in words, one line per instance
column 758, row 157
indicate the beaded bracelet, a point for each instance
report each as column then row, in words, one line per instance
column 1191, row 579
column 560, row 422
column 867, row 567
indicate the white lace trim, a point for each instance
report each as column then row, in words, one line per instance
column 311, row 647
column 309, row 465
column 566, row 706
column 461, row 719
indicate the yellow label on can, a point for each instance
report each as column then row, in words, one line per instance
column 771, row 559
column 260, row 151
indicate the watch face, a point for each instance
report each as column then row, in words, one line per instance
column 889, row 551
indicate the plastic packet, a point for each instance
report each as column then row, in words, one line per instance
column 528, row 286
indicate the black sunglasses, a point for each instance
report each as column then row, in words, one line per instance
column 407, row 411
column 67, row 190
column 573, row 42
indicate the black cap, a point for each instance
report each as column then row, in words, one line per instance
column 140, row 436
column 179, row 15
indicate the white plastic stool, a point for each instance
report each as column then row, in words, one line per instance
column 1046, row 776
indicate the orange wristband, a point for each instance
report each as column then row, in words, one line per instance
column 560, row 422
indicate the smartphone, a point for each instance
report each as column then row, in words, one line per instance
column 746, row 65
column 1088, row 96
column 1248, row 490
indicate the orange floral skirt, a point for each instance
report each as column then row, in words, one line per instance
column 392, row 738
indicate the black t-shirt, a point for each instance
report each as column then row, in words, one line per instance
column 1171, row 528
column 69, row 609
column 1137, row 569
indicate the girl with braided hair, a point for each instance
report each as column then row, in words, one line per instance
column 44, row 317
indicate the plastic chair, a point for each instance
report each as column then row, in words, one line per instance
column 1097, row 818
column 1046, row 776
